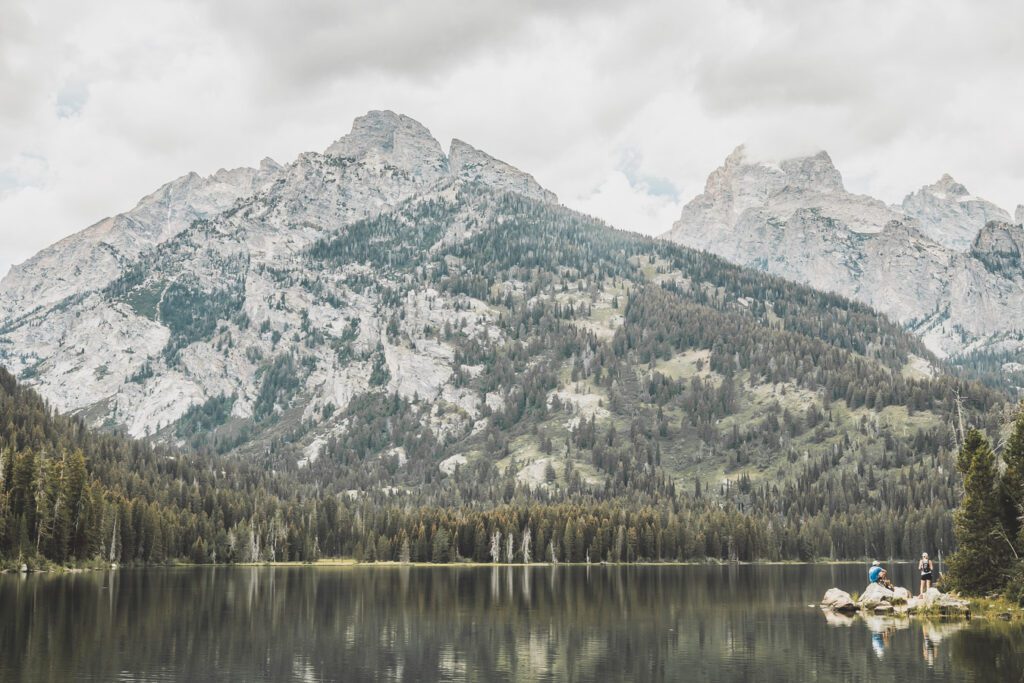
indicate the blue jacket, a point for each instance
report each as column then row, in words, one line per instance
column 873, row 574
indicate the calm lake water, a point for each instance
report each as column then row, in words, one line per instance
column 738, row 623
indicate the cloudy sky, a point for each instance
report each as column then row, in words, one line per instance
column 622, row 108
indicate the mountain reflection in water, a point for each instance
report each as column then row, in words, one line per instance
column 714, row 623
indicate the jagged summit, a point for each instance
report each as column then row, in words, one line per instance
column 395, row 139
column 949, row 214
column 816, row 173
column 939, row 262
column 386, row 158
column 946, row 186
column 741, row 191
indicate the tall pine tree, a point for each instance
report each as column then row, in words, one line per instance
column 1012, row 488
column 982, row 559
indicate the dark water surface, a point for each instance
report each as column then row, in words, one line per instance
column 699, row 623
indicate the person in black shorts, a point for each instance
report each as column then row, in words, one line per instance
column 926, row 567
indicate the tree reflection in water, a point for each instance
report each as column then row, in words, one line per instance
column 484, row 623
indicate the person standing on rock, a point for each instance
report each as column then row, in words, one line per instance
column 926, row 567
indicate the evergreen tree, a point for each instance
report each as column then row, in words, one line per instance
column 1012, row 489
column 981, row 561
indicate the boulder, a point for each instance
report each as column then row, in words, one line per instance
column 875, row 594
column 838, row 601
column 947, row 605
column 900, row 595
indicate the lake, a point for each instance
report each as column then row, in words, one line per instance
column 364, row 623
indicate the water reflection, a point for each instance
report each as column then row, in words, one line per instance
column 488, row 623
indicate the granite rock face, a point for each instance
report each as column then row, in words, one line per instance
column 470, row 163
column 941, row 264
column 949, row 214
column 196, row 292
column 96, row 256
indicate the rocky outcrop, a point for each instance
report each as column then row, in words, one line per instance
column 949, row 214
column 384, row 138
column 879, row 600
column 795, row 219
column 466, row 161
column 1000, row 246
column 838, row 600
column 934, row 600
column 874, row 595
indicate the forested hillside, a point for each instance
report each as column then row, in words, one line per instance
column 532, row 385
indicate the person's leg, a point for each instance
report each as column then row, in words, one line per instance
column 923, row 589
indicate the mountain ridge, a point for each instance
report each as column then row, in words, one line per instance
column 916, row 262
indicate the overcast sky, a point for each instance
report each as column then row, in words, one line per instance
column 622, row 108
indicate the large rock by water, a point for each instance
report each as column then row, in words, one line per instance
column 879, row 600
column 874, row 595
column 900, row 595
column 838, row 601
column 947, row 605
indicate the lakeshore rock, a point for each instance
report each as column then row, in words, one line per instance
column 900, row 595
column 838, row 601
column 874, row 595
column 947, row 605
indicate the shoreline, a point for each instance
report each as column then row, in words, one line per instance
column 352, row 562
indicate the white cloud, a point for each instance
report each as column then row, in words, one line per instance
column 620, row 108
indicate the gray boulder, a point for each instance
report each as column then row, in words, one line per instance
column 874, row 595
column 838, row 601
column 947, row 605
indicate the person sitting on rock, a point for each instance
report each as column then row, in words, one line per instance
column 926, row 567
column 875, row 571
column 877, row 574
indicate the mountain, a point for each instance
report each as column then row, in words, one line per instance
column 455, row 284
column 949, row 214
column 385, row 332
column 924, row 263
column 98, row 254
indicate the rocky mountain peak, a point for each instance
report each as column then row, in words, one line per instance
column 947, row 186
column 815, row 173
column 1018, row 217
column 395, row 140
column 949, row 214
column 924, row 264
column 468, row 162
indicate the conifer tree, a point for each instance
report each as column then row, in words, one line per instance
column 981, row 561
column 1012, row 488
